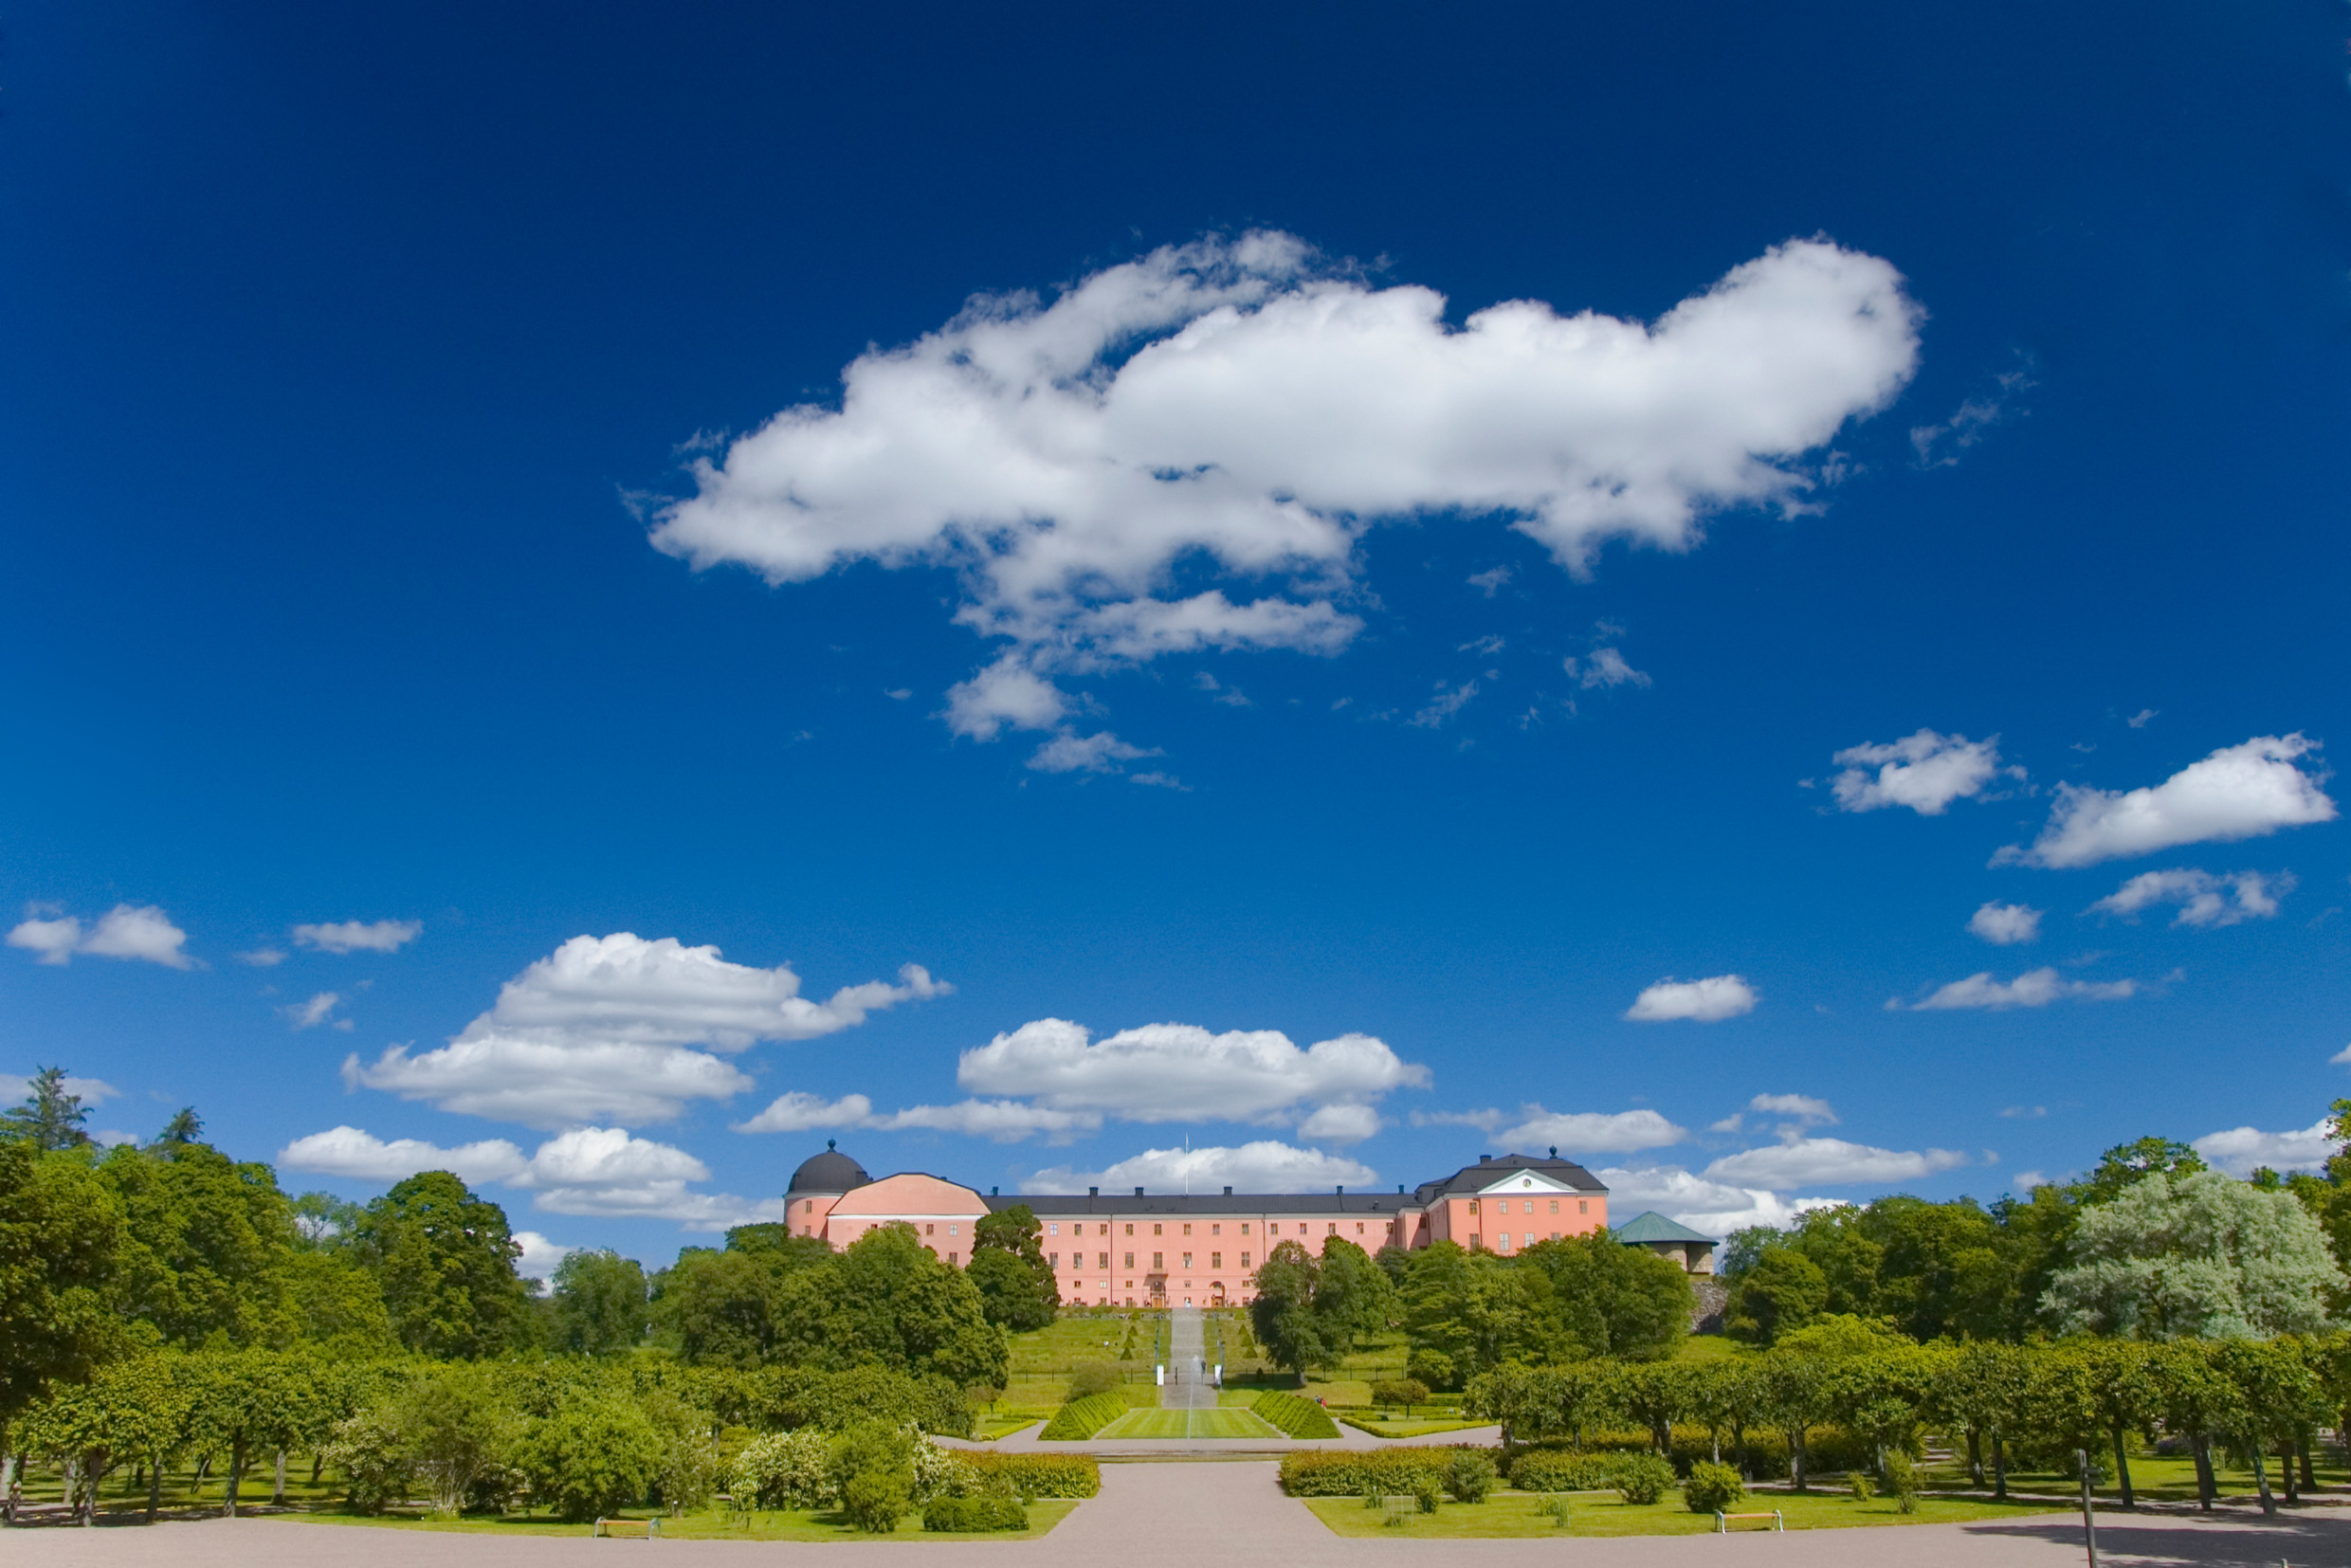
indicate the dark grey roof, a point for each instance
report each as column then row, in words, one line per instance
column 1488, row 1170
column 830, row 1171
column 1059, row 1205
column 1654, row 1227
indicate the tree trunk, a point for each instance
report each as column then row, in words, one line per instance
column 277, row 1494
column 154, row 1490
column 2261, row 1479
column 2286, row 1468
column 204, row 1468
column 236, row 1477
column 1738, row 1446
column 1974, row 1455
column 1796, row 1458
column 1999, row 1467
column 73, row 1477
column 1715, row 1433
column 2121, row 1470
column 2201, row 1445
column 2301, row 1453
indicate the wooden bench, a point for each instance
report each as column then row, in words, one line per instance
column 629, row 1529
column 1722, row 1527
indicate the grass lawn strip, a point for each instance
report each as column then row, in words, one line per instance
column 1187, row 1423
column 1514, row 1515
column 711, row 1524
column 1406, row 1428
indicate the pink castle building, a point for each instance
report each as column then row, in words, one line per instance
column 1194, row 1249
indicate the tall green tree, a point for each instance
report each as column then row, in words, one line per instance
column 1612, row 1300
column 1782, row 1291
column 1017, row 1285
column 61, row 1231
column 1353, row 1294
column 1476, row 1310
column 600, row 1302
column 49, row 1118
column 1282, row 1313
column 207, row 1237
column 886, row 1298
column 445, row 1260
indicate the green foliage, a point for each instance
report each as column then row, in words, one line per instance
column 1641, row 1479
column 1017, row 1289
column 1092, row 1377
column 1713, row 1488
column 970, row 1514
column 1083, row 1419
column 798, row 1396
column 876, row 1501
column 1608, row 1299
column 1402, row 1392
column 600, row 1302
column 1431, row 1369
column 2195, row 1256
column 1469, row 1475
column 446, row 1263
column 887, row 1299
column 1338, row 1472
column 1353, row 1295
column 458, row 1431
column 369, row 1451
column 718, row 1308
column 1861, row 1486
column 1551, row 1470
column 1027, row 1475
column 785, row 1469
column 1476, row 1310
column 2125, row 1166
column 61, row 1231
column 591, row 1458
column 1902, row 1474
column 1283, row 1315
column 49, row 1118
column 1298, row 1416
column 206, row 1242
column 1841, row 1335
column 1782, row 1291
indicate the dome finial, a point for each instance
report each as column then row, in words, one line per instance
column 829, row 1143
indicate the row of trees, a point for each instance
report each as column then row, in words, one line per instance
column 2151, row 1244
column 1870, row 1387
column 1466, row 1312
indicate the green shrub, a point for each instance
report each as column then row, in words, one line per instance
column 1902, row 1474
column 1549, row 1471
column 1082, row 1418
column 1345, row 1472
column 590, row 1458
column 975, row 1513
column 1712, row 1489
column 1432, row 1369
column 875, row 1500
column 1403, row 1392
column 1864, row 1488
column 874, row 1447
column 378, row 1468
column 1642, row 1478
column 1425, row 1497
column 1026, row 1475
column 1299, row 1417
column 786, row 1470
column 1091, row 1377
column 1470, row 1475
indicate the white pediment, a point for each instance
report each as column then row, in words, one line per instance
column 1529, row 1182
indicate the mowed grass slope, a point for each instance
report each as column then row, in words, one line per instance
column 1187, row 1423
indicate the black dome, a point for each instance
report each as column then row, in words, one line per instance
column 830, row 1171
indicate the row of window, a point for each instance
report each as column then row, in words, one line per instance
column 1159, row 1260
column 1583, row 1205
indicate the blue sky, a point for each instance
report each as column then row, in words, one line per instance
column 1913, row 434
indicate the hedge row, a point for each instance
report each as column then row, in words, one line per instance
column 975, row 1513
column 1340, row 1473
column 1024, row 1475
column 1083, row 1419
column 1763, row 1455
column 1299, row 1417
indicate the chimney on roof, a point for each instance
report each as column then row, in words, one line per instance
column 1399, row 1189
column 1342, row 1191
column 1139, row 1192
column 1486, row 1159
column 995, row 1191
column 1555, row 1151
column 1093, row 1192
column 1228, row 1192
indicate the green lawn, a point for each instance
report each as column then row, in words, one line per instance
column 1188, row 1422
column 1519, row 1514
column 1385, row 1426
column 711, row 1524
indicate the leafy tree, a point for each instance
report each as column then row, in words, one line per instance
column 2197, row 1255
column 1655, row 1394
column 599, row 1301
column 133, row 1409
column 1352, row 1295
column 207, row 1237
column 1799, row 1394
column 1529, row 1402
column 1475, row 1310
column 49, row 1118
column 1982, row 1390
column 1017, row 1289
column 1296, row 1337
column 2277, row 1401
column 718, row 1308
column 1613, row 1300
column 457, row 1429
column 185, row 1126
column 887, row 1299
column 1782, row 1289
column 1395, row 1262
column 2125, row 1166
column 333, row 1302
column 1726, row 1395
column 324, row 1222
column 446, row 1263
column 592, row 1457
column 61, row 1230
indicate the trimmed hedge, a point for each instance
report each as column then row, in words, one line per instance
column 1083, row 1419
column 1299, row 1417
column 1391, row 1472
column 1026, row 1475
column 1549, row 1471
column 1764, row 1456
column 975, row 1513
column 1712, row 1489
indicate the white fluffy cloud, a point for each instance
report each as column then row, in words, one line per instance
column 93, row 1091
column 1093, row 754
column 126, row 931
column 600, row 1171
column 798, row 1112
column 604, row 1030
column 315, row 1011
column 540, row 1257
column 350, row 1152
column 1591, row 1132
column 1605, row 668
column 1180, row 1072
column 2204, row 897
column 2005, row 925
column 1340, row 1124
column 1827, row 1162
column 1711, row 1208
column 1003, row 1120
column 2240, row 1149
column 1245, row 404
column 2034, row 988
column 1706, row 1001
column 1261, row 1167
column 2238, row 793
column 1802, row 1110
column 1925, row 772
column 358, row 935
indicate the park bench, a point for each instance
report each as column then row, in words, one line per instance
column 1722, row 1524
column 629, row 1529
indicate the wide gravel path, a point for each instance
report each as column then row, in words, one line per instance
column 1209, row 1515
